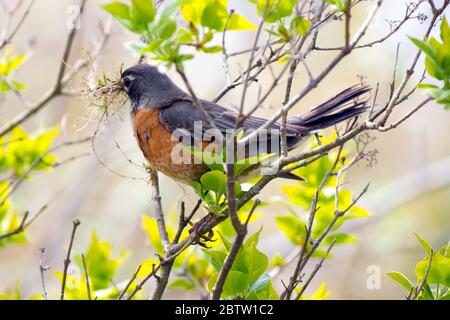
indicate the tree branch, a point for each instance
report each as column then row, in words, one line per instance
column 86, row 275
column 67, row 261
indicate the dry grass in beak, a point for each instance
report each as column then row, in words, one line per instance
column 107, row 94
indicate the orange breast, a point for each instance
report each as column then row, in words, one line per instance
column 156, row 143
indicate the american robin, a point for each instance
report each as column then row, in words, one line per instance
column 159, row 108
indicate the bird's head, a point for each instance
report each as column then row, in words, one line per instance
column 147, row 87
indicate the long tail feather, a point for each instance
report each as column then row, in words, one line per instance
column 341, row 107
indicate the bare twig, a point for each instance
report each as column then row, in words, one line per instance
column 315, row 82
column 141, row 284
column 250, row 66
column 409, row 72
column 348, row 16
column 23, row 224
column 42, row 270
column 225, row 55
column 197, row 103
column 185, row 221
column 314, row 272
column 67, row 50
column 67, row 261
column 7, row 39
column 86, row 275
column 62, row 80
column 294, row 280
column 134, row 276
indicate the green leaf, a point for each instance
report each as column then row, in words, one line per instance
column 249, row 265
column 151, row 228
column 424, row 46
column 339, row 5
column 216, row 257
column 9, row 63
column 146, row 267
column 340, row 238
column 274, row 10
column 164, row 25
column 262, row 289
column 235, row 285
column 29, row 150
column 439, row 271
column 256, row 262
column 277, row 261
column 213, row 49
column 9, row 220
column 402, row 280
column 198, row 265
column 293, row 228
column 320, row 294
column 445, row 30
column 300, row 24
column 142, row 11
column 238, row 22
column 437, row 64
column 182, row 284
column 427, row 86
column 121, row 12
column 426, row 246
column 215, row 181
column 214, row 16
column 192, row 10
column 101, row 267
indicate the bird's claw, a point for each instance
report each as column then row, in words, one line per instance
column 203, row 238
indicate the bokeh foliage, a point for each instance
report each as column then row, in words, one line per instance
column 433, row 276
column 437, row 64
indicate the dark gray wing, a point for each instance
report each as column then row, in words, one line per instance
column 182, row 115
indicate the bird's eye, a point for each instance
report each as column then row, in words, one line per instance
column 126, row 83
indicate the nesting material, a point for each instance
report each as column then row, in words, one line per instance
column 107, row 94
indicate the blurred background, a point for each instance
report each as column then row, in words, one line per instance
column 409, row 183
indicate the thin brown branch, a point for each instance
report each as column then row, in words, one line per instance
column 67, row 51
column 250, row 66
column 348, row 16
column 8, row 38
column 294, row 280
column 25, row 223
column 86, row 275
column 313, row 83
column 314, row 272
column 185, row 221
column 410, row 71
column 57, row 89
column 225, row 55
column 42, row 270
column 140, row 285
column 196, row 101
column 133, row 277
column 67, row 260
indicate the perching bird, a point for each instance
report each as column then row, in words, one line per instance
column 159, row 108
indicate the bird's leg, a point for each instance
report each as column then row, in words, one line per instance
column 318, row 138
column 197, row 227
